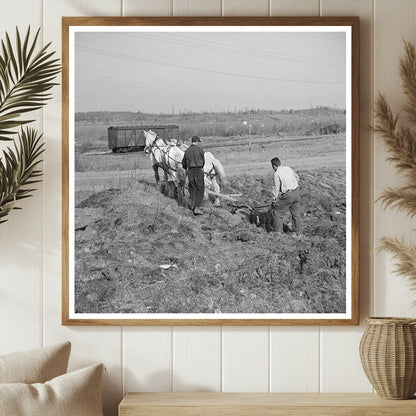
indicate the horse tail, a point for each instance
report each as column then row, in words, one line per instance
column 219, row 170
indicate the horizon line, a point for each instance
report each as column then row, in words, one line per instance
column 183, row 112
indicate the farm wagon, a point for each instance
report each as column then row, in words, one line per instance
column 123, row 139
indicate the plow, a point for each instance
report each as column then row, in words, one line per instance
column 260, row 215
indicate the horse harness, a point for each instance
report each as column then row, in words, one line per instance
column 165, row 153
column 211, row 174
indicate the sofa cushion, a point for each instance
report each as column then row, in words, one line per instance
column 73, row 394
column 35, row 366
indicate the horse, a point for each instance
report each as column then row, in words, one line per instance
column 167, row 156
column 214, row 176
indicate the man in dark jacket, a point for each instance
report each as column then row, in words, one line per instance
column 193, row 161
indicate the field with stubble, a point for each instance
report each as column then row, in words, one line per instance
column 138, row 251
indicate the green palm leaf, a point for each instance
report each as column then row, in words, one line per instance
column 25, row 79
column 18, row 169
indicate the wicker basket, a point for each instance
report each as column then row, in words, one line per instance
column 388, row 356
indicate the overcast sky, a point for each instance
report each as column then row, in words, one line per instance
column 161, row 71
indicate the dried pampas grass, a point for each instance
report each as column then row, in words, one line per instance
column 401, row 142
column 405, row 255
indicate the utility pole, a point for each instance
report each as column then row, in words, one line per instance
column 249, row 131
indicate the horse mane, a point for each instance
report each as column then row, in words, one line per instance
column 156, row 136
column 151, row 132
column 219, row 169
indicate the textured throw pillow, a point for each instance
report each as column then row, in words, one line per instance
column 35, row 366
column 73, row 394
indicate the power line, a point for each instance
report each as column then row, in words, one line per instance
column 229, row 48
column 279, row 55
column 276, row 54
column 157, row 62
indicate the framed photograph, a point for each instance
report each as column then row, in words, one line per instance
column 210, row 171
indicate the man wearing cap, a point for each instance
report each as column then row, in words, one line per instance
column 286, row 196
column 193, row 161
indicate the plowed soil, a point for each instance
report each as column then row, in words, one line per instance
column 139, row 251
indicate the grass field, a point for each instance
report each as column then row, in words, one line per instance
column 139, row 251
column 230, row 152
column 91, row 128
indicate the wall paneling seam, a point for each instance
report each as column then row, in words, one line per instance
column 172, row 343
column 372, row 262
column 221, row 359
column 122, row 343
column 269, row 344
column 320, row 328
column 320, row 359
column 42, row 277
column 122, row 360
column 374, row 155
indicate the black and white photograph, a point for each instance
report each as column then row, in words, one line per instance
column 210, row 172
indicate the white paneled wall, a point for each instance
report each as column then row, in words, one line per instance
column 245, row 359
column 196, row 359
column 245, row 8
column 205, row 8
column 147, row 359
column 148, row 7
column 285, row 359
column 294, row 351
column 295, row 8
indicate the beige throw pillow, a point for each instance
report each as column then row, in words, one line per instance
column 73, row 394
column 35, row 366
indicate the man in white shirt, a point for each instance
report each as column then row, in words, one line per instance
column 286, row 196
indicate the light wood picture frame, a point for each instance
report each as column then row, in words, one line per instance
column 134, row 256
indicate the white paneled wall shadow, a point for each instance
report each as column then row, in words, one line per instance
column 304, row 359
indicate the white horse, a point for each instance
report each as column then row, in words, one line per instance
column 214, row 175
column 166, row 156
